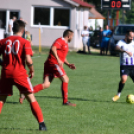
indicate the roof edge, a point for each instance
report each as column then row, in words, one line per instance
column 72, row 3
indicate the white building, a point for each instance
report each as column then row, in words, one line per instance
column 54, row 16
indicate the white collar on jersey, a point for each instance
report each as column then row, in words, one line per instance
column 64, row 39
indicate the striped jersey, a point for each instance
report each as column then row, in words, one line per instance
column 125, row 59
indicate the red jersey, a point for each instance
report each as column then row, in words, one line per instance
column 14, row 50
column 62, row 50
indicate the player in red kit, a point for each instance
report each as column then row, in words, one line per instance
column 15, row 52
column 53, row 67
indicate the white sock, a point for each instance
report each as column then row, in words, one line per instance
column 119, row 94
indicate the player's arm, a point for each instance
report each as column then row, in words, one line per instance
column 71, row 66
column 29, row 63
column 117, row 48
column 54, row 52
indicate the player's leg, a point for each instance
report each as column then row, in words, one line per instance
column 2, row 101
column 64, row 88
column 22, row 98
column 36, row 110
column 44, row 85
column 120, row 88
column 25, row 87
column 5, row 90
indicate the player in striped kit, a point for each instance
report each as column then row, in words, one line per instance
column 126, row 49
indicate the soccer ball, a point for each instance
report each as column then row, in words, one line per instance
column 130, row 99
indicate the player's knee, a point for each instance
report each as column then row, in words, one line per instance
column 46, row 85
column 66, row 80
column 123, row 80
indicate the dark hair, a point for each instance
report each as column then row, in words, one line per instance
column 67, row 32
column 18, row 25
column 128, row 31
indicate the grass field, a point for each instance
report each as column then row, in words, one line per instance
column 92, row 86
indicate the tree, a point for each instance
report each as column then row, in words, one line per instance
column 130, row 15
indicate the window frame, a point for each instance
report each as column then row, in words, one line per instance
column 51, row 25
column 8, row 16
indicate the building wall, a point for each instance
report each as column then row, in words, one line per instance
column 82, row 15
column 85, row 17
column 49, row 33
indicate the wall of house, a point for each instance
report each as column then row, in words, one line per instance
column 49, row 33
column 78, row 18
column 85, row 16
column 79, row 27
column 82, row 15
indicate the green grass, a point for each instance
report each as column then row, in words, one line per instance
column 91, row 87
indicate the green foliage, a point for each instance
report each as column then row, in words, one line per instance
column 92, row 86
column 130, row 15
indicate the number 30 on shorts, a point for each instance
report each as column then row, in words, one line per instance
column 12, row 48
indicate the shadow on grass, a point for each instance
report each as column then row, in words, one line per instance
column 70, row 98
column 78, row 99
column 95, row 54
column 19, row 129
column 12, row 102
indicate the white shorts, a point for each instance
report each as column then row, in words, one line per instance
column 85, row 42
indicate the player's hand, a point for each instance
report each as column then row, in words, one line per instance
column 129, row 53
column 31, row 73
column 72, row 66
column 60, row 63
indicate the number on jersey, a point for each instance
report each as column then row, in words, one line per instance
column 12, row 47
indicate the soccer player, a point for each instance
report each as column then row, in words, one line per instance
column 126, row 49
column 53, row 66
column 15, row 52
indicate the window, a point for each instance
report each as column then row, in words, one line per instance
column 121, row 30
column 3, row 19
column 14, row 13
column 5, row 16
column 50, row 16
column 42, row 16
column 61, row 17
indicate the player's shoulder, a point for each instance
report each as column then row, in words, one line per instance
column 132, row 43
column 59, row 40
column 121, row 42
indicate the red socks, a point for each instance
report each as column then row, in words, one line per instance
column 1, row 105
column 37, row 88
column 64, row 89
column 37, row 112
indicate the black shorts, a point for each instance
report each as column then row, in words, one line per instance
column 127, row 70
